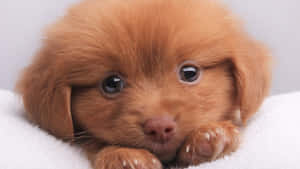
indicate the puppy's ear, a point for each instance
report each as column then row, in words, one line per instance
column 252, row 73
column 47, row 97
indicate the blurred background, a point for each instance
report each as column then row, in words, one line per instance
column 275, row 22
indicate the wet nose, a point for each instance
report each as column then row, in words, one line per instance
column 160, row 129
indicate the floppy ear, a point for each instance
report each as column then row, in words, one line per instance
column 47, row 98
column 252, row 73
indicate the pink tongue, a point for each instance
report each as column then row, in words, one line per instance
column 205, row 149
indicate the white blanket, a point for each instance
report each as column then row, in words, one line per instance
column 271, row 141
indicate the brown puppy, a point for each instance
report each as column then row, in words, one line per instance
column 145, row 82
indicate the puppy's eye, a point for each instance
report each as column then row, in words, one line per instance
column 112, row 85
column 189, row 73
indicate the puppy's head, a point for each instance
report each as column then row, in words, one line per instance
column 144, row 73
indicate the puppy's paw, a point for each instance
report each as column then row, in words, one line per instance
column 208, row 143
column 126, row 158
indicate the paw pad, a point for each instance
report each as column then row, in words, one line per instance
column 208, row 143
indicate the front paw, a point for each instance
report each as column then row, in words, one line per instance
column 126, row 158
column 208, row 143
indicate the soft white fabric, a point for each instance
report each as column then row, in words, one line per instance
column 271, row 141
column 24, row 146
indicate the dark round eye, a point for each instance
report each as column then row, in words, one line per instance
column 189, row 73
column 112, row 85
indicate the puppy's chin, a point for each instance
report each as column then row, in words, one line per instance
column 166, row 152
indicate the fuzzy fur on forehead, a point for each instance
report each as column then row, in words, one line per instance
column 141, row 35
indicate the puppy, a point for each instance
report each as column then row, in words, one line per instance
column 143, row 83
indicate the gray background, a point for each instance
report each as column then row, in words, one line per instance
column 275, row 22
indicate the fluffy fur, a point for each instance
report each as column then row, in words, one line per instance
column 145, row 41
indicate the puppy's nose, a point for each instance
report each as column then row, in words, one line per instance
column 160, row 129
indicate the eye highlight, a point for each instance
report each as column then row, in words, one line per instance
column 112, row 85
column 189, row 73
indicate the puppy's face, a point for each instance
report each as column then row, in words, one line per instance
column 155, row 65
column 119, row 65
column 117, row 108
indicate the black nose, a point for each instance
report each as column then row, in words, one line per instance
column 160, row 129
